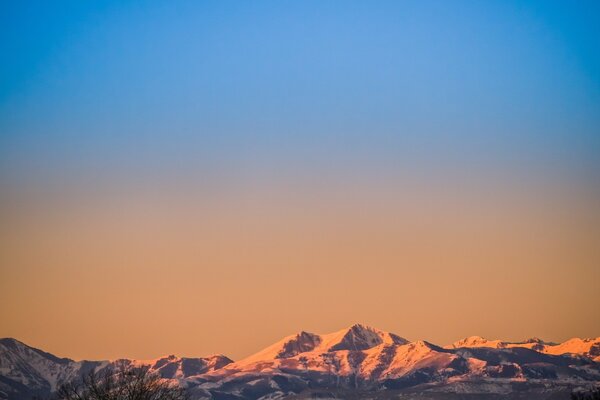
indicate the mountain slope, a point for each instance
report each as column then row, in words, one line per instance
column 26, row 372
column 364, row 358
column 358, row 359
column 589, row 348
column 356, row 337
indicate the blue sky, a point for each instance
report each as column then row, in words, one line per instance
column 134, row 88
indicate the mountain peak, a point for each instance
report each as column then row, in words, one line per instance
column 287, row 347
column 302, row 342
column 477, row 341
column 11, row 342
column 534, row 340
column 356, row 337
column 359, row 337
column 360, row 327
column 14, row 345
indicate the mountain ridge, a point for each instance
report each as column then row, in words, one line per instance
column 359, row 358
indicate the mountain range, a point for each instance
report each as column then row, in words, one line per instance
column 356, row 362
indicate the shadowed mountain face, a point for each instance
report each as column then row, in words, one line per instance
column 356, row 362
column 26, row 372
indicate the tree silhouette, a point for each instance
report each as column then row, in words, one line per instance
column 122, row 383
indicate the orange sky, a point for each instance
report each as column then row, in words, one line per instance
column 206, row 177
column 139, row 272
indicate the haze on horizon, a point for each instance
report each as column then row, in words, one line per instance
column 207, row 177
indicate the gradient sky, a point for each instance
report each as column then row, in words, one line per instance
column 206, row 177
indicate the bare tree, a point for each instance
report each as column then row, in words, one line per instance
column 122, row 383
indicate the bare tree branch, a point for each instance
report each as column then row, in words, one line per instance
column 122, row 383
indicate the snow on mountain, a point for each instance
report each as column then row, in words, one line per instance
column 289, row 346
column 589, row 348
column 358, row 358
column 179, row 368
column 477, row 341
column 394, row 361
column 26, row 371
column 356, row 337
column 585, row 347
column 364, row 358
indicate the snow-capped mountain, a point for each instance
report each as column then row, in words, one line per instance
column 356, row 361
column 26, row 372
column 589, row 348
column 355, row 338
column 364, row 358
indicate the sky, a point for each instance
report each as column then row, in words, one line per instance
column 191, row 178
